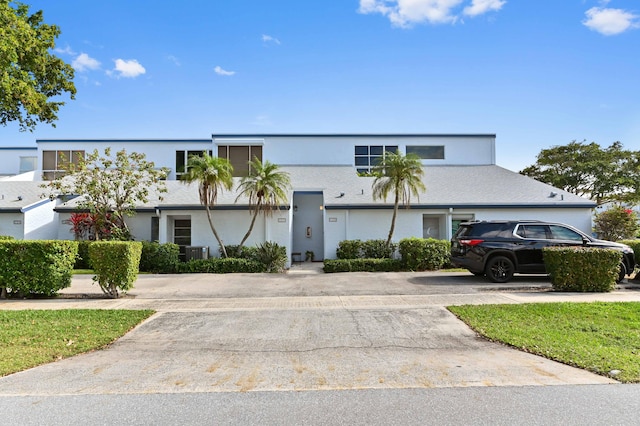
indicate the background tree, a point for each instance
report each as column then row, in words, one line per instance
column 266, row 187
column 29, row 74
column 110, row 188
column 587, row 170
column 213, row 174
column 400, row 175
column 616, row 223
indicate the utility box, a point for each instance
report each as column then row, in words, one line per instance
column 196, row 252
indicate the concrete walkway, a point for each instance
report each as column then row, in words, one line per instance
column 303, row 330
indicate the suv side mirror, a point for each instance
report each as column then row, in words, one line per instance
column 585, row 241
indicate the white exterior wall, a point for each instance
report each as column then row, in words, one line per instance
column 140, row 226
column 12, row 225
column 64, row 227
column 40, row 223
column 231, row 226
column 578, row 218
column 161, row 152
column 339, row 150
column 10, row 159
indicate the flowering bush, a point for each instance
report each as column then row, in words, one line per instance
column 617, row 223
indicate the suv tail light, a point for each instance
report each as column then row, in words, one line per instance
column 471, row 242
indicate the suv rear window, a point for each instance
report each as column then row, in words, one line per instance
column 485, row 230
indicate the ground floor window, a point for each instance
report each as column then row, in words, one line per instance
column 431, row 225
column 182, row 235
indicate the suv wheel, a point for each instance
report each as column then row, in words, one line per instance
column 622, row 273
column 499, row 269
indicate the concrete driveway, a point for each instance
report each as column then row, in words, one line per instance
column 300, row 331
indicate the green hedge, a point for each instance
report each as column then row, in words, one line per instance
column 115, row 264
column 369, row 249
column 159, row 258
column 362, row 265
column 36, row 267
column 582, row 269
column 216, row 265
column 420, row 254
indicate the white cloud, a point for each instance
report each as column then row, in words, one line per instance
column 269, row 39
column 610, row 21
column 128, row 68
column 479, row 7
column 66, row 50
column 175, row 60
column 404, row 13
column 218, row 70
column 84, row 62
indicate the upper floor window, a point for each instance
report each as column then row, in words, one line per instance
column 28, row 164
column 55, row 163
column 181, row 160
column 239, row 156
column 368, row 156
column 427, row 152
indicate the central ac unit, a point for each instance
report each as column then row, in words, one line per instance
column 196, row 252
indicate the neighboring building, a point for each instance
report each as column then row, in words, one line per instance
column 14, row 161
column 328, row 202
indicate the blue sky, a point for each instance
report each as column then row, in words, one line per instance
column 536, row 73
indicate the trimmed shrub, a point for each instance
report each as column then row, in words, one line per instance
column 36, row 267
column 378, row 249
column 349, row 249
column 420, row 254
column 6, row 237
column 582, row 269
column 272, row 256
column 159, row 258
column 115, row 264
column 216, row 265
column 362, row 265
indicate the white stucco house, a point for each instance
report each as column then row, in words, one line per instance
column 328, row 202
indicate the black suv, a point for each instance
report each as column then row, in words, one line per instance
column 498, row 249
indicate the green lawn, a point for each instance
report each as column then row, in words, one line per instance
column 33, row 337
column 599, row 337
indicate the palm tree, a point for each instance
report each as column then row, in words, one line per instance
column 401, row 175
column 266, row 187
column 213, row 175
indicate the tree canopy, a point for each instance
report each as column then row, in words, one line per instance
column 30, row 75
column 603, row 175
column 111, row 188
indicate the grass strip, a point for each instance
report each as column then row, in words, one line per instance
column 602, row 337
column 33, row 337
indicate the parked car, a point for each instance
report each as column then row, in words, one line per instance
column 498, row 249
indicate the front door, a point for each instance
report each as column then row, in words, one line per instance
column 308, row 229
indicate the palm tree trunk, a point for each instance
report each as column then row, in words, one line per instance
column 253, row 221
column 215, row 233
column 393, row 218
